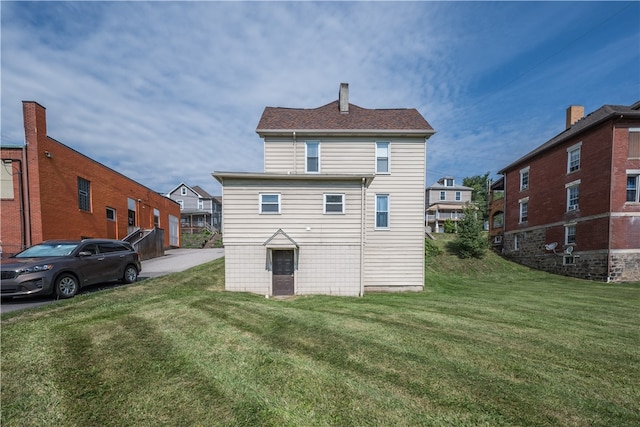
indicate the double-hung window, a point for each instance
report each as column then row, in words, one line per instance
column 570, row 234
column 382, row 157
column 443, row 195
column 458, row 196
column 524, row 209
column 573, row 194
column 334, row 203
column 573, row 158
column 269, row 203
column 524, row 179
column 633, row 181
column 382, row 211
column 84, row 195
column 312, row 156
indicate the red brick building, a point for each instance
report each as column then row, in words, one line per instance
column 572, row 206
column 50, row 191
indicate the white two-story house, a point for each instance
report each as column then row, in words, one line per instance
column 339, row 208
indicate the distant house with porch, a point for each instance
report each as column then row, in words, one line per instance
column 445, row 201
column 198, row 209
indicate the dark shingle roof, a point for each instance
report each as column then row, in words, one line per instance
column 329, row 118
column 201, row 192
column 600, row 115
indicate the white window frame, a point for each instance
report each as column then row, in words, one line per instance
column 635, row 174
column 388, row 212
column 156, row 214
column 458, row 196
column 330, row 212
column 443, row 195
column 524, row 178
column 183, row 191
column 181, row 203
column 570, row 151
column 522, row 203
column 306, row 156
column 383, row 151
column 200, row 204
column 516, row 243
column 567, row 234
column 449, row 182
column 568, row 260
column 261, row 203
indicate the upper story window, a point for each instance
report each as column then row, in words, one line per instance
column 524, row 179
column 181, row 203
column 634, row 143
column 269, row 203
column 334, row 203
column 84, row 195
column 200, row 204
column 573, row 158
column 573, row 194
column 382, row 211
column 382, row 157
column 633, row 181
column 458, row 196
column 183, row 191
column 524, row 210
column 570, row 234
column 312, row 155
column 443, row 195
column 449, row 182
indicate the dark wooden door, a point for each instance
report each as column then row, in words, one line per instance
column 282, row 272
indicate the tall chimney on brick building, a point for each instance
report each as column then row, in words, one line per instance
column 343, row 98
column 574, row 113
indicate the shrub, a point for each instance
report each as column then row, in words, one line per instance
column 430, row 249
column 470, row 241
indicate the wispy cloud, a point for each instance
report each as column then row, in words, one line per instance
column 166, row 92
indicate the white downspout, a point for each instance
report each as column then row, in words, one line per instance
column 295, row 153
column 363, row 223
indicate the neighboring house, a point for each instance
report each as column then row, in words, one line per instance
column 572, row 205
column 50, row 191
column 339, row 208
column 445, row 201
column 198, row 209
column 496, row 214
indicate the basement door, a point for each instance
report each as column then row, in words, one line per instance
column 282, row 273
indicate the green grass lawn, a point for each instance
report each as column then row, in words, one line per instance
column 488, row 343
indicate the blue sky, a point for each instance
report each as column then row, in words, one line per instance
column 166, row 92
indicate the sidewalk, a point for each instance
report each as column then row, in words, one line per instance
column 176, row 260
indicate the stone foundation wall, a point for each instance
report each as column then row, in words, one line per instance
column 591, row 265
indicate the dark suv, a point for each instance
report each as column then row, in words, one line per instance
column 64, row 266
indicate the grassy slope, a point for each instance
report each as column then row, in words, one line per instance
column 487, row 343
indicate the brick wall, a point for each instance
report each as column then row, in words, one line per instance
column 52, row 172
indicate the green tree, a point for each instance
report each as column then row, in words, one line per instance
column 449, row 226
column 480, row 194
column 470, row 242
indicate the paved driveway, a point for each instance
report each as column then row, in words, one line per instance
column 173, row 261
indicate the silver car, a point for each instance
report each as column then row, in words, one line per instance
column 62, row 267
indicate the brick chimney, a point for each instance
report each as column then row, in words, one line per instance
column 574, row 113
column 343, row 98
